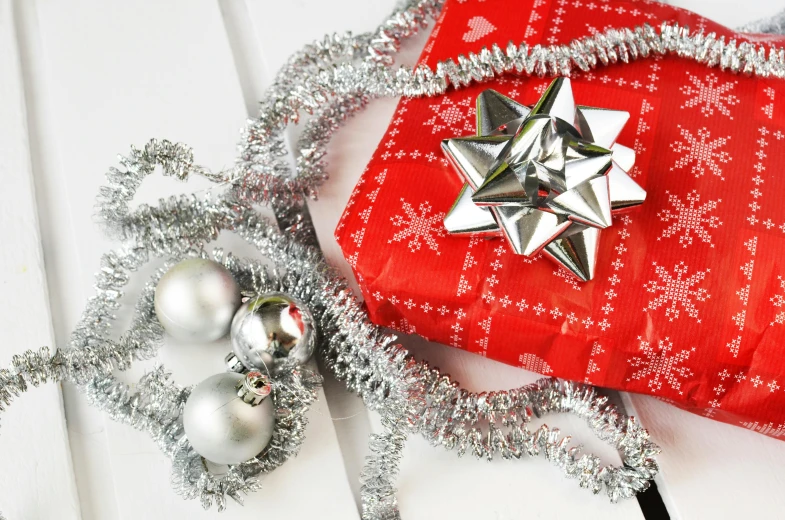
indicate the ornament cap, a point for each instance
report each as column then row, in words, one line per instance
column 254, row 388
column 233, row 364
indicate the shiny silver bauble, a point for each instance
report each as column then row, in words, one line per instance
column 196, row 300
column 227, row 418
column 273, row 330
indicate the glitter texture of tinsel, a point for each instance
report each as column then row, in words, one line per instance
column 332, row 80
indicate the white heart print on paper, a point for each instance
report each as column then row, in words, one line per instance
column 479, row 26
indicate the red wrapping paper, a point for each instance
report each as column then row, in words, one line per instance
column 688, row 302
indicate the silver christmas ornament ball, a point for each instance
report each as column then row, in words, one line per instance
column 196, row 299
column 273, row 329
column 228, row 417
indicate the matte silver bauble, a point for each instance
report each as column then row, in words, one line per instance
column 196, row 300
column 228, row 418
column 273, row 329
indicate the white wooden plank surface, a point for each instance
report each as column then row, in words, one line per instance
column 103, row 75
column 37, row 478
column 147, row 69
column 710, row 469
column 87, row 436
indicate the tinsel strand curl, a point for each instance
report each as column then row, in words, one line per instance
column 92, row 355
column 265, row 179
column 378, row 490
column 264, row 176
column 294, row 391
column 95, row 359
column 156, row 406
column 410, row 396
column 392, row 382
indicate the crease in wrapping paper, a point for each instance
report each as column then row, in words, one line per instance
column 688, row 303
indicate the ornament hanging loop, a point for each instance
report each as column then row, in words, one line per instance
column 254, row 388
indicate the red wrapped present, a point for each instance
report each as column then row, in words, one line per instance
column 688, row 298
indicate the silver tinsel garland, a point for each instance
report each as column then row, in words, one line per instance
column 410, row 396
column 335, row 91
column 332, row 80
column 156, row 405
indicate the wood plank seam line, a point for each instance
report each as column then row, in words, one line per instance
column 254, row 75
column 40, row 435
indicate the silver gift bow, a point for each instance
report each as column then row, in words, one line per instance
column 547, row 178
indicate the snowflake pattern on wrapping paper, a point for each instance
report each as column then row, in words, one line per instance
column 534, row 364
column 469, row 261
column 485, row 325
column 674, row 290
column 682, row 236
column 463, row 286
column 739, row 318
column 455, row 117
column 769, row 108
column 701, row 152
column 710, row 96
column 358, row 235
column 617, row 264
column 404, row 326
column 533, row 17
column 766, row 429
column 759, row 178
column 457, row 328
column 690, row 218
column 643, row 126
column 778, row 300
column 420, row 227
column 658, row 365
column 592, row 366
column 570, row 280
